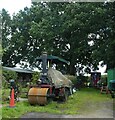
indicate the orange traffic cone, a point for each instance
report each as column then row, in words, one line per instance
column 12, row 104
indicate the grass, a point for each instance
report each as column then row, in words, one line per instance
column 0, row 103
column 6, row 92
column 76, row 104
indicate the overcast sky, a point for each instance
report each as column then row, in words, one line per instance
column 13, row 6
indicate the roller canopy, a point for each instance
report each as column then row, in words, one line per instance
column 53, row 59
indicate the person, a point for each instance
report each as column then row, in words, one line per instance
column 15, row 87
column 38, row 82
column 104, row 87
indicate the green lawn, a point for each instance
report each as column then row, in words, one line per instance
column 76, row 104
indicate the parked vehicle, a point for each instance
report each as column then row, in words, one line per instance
column 51, row 84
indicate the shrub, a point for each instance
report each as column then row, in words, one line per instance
column 72, row 78
column 4, row 83
column 6, row 76
column 78, row 81
column 9, row 75
column 104, row 79
column 35, row 77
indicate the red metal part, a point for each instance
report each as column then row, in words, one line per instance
column 61, row 92
column 47, row 86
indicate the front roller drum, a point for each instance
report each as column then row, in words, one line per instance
column 38, row 96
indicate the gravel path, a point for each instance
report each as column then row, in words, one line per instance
column 99, row 110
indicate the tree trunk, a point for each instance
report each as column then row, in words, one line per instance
column 72, row 69
column 72, row 66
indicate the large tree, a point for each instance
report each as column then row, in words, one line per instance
column 103, row 38
column 62, row 29
column 6, row 35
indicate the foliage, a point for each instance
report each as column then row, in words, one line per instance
column 4, row 82
column 104, row 79
column 24, row 92
column 72, row 78
column 6, row 20
column 105, row 42
column 64, row 30
column 35, row 77
column 1, row 50
column 6, row 76
column 83, row 78
column 9, row 75
column 5, row 95
column 6, row 39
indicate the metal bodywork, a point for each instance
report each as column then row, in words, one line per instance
column 112, row 85
column 111, row 88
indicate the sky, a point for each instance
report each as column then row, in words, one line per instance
column 13, row 6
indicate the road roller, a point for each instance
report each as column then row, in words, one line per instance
column 51, row 85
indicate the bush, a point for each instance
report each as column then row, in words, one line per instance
column 4, row 83
column 72, row 78
column 6, row 76
column 5, row 94
column 35, row 77
column 78, row 81
column 83, row 79
column 9, row 75
column 104, row 79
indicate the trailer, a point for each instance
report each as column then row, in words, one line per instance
column 51, row 84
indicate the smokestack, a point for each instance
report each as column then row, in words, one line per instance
column 44, row 66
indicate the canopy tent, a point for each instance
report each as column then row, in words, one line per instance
column 53, row 59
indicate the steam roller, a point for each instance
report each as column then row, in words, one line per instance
column 51, row 84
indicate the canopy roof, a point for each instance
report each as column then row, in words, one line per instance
column 54, row 59
column 18, row 70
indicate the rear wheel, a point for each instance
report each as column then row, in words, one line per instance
column 65, row 95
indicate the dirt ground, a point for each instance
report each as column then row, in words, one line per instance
column 99, row 110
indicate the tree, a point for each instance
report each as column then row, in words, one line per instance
column 6, row 21
column 62, row 29
column 103, row 49
column 6, row 30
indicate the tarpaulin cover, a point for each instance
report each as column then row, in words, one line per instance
column 58, row 79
